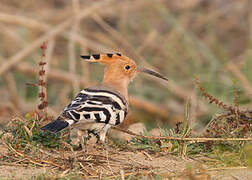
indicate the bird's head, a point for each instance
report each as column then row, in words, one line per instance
column 120, row 67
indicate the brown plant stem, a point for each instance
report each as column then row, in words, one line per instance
column 193, row 139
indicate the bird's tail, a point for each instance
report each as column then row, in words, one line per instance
column 57, row 125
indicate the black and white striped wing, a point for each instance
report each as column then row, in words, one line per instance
column 92, row 105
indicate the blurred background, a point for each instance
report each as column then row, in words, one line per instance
column 180, row 39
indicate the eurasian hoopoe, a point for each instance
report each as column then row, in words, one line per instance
column 99, row 107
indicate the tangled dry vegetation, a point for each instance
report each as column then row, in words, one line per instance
column 209, row 38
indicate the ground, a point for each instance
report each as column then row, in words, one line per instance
column 112, row 164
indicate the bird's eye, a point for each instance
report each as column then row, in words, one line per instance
column 127, row 67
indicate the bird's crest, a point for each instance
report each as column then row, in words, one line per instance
column 104, row 58
column 120, row 64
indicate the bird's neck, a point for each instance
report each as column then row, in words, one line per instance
column 119, row 84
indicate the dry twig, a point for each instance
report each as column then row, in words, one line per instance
column 193, row 139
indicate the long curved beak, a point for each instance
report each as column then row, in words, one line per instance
column 150, row 72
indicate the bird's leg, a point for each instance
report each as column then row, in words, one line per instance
column 82, row 138
column 102, row 135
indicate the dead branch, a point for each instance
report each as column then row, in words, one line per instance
column 52, row 74
column 15, row 59
column 31, row 23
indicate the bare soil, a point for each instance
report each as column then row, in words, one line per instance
column 121, row 162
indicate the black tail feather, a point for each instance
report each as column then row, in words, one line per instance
column 55, row 126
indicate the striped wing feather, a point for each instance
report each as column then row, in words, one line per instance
column 101, row 106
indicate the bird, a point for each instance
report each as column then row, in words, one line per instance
column 98, row 108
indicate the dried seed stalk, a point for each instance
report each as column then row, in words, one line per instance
column 42, row 95
column 42, row 85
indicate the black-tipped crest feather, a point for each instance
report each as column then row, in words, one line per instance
column 96, row 56
column 109, row 55
column 85, row 57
